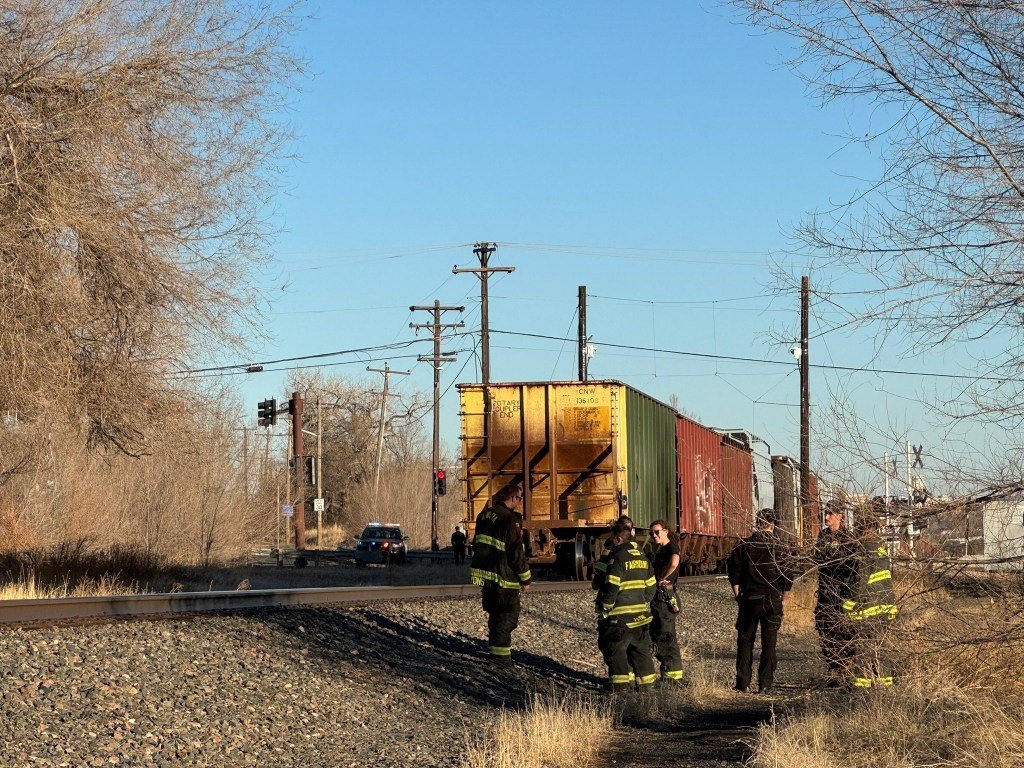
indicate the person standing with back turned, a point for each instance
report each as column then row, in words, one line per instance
column 760, row 575
column 500, row 567
column 459, row 545
column 625, row 582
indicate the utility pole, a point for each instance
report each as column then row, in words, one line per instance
column 298, row 457
column 582, row 333
column 805, row 409
column 319, row 476
column 386, row 371
column 436, row 327
column 483, row 252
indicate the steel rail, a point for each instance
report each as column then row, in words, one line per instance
column 14, row 612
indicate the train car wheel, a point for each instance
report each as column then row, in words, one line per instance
column 582, row 570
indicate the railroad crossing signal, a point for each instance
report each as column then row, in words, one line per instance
column 440, row 482
column 266, row 412
column 917, row 456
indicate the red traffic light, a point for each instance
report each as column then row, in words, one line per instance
column 440, row 474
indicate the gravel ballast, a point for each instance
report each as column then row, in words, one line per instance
column 388, row 684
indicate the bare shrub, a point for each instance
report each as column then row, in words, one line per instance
column 185, row 503
column 351, row 427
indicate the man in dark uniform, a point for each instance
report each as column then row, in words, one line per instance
column 625, row 585
column 835, row 555
column 500, row 567
column 871, row 610
column 760, row 572
column 663, row 552
column 459, row 545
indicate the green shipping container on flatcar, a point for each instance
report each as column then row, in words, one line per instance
column 586, row 453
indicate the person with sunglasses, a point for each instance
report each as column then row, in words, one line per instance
column 501, row 569
column 664, row 554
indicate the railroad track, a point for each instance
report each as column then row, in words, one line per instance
column 15, row 612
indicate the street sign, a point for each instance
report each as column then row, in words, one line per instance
column 287, row 510
column 318, row 505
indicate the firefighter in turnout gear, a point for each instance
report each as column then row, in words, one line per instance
column 871, row 610
column 835, row 555
column 500, row 567
column 625, row 584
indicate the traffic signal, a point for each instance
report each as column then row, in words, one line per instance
column 440, row 482
column 266, row 412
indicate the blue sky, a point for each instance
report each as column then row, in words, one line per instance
column 654, row 153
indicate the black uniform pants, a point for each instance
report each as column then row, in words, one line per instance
column 835, row 636
column 502, row 606
column 627, row 652
column 460, row 554
column 663, row 638
column 765, row 613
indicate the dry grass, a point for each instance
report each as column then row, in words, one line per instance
column 959, row 698
column 799, row 607
column 922, row 722
column 710, row 681
column 552, row 732
column 32, row 589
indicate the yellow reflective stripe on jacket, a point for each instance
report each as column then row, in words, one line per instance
column 627, row 610
column 525, row 576
column 878, row 576
column 849, row 605
column 612, row 579
column 480, row 577
column 636, row 584
column 887, row 610
column 862, row 682
column 491, row 541
column 641, row 622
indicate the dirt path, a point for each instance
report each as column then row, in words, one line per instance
column 707, row 725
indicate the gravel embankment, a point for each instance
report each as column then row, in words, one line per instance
column 383, row 685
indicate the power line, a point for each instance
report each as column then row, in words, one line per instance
column 735, row 358
column 297, row 358
column 217, row 374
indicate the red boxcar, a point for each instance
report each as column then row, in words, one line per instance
column 737, row 489
column 698, row 456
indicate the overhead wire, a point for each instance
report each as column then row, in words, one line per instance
column 762, row 361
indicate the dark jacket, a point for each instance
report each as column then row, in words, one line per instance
column 625, row 584
column 498, row 554
column 761, row 565
column 873, row 599
column 836, row 555
column 458, row 540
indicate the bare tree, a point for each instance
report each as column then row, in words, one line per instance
column 937, row 238
column 351, row 415
column 137, row 145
